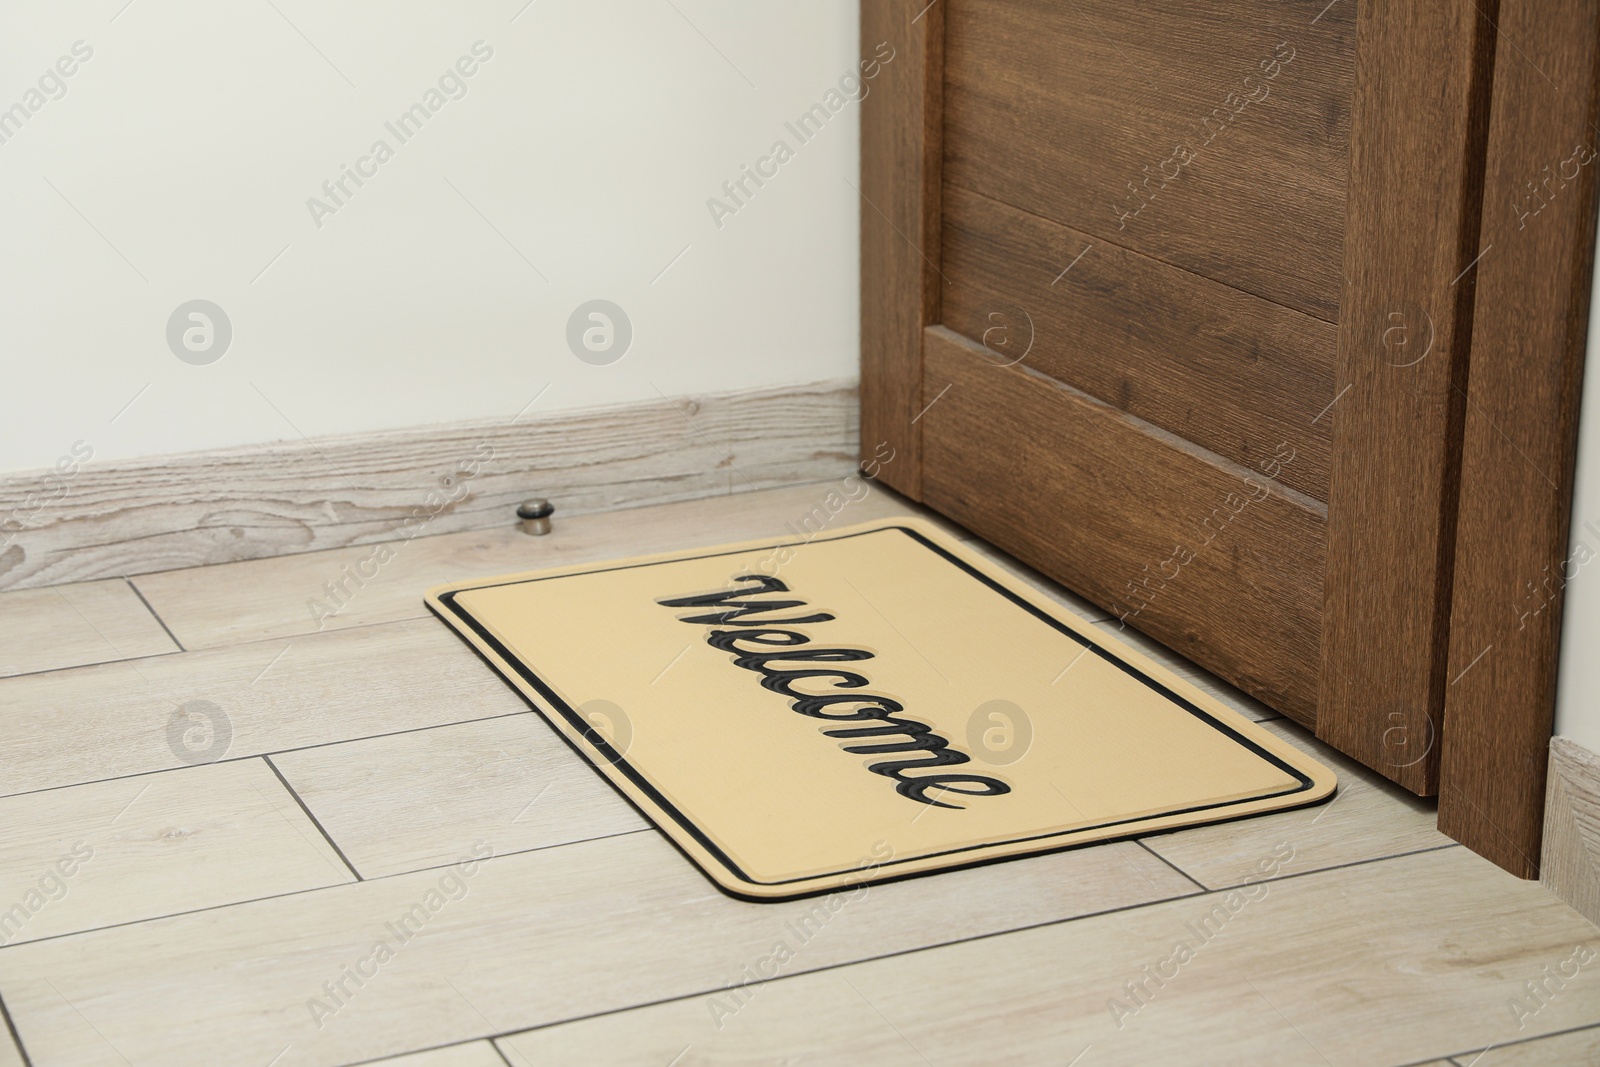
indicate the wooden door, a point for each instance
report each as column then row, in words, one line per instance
column 1172, row 301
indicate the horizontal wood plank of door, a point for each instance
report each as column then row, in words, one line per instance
column 1234, row 373
column 1244, row 605
column 1154, row 125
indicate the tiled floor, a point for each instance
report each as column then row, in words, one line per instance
column 233, row 832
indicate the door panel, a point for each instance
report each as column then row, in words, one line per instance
column 1222, row 401
column 1098, row 499
column 1078, row 112
column 1231, row 372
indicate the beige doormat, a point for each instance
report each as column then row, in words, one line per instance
column 872, row 703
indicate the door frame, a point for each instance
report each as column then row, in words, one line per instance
column 1521, row 430
column 902, row 147
column 1391, row 576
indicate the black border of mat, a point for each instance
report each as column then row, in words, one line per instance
column 581, row 725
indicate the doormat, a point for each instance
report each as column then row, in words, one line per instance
column 806, row 714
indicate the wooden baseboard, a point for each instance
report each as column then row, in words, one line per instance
column 126, row 517
column 1570, row 866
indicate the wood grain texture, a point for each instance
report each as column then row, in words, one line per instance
column 1412, row 230
column 135, row 516
column 116, row 852
column 73, row 625
column 531, row 939
column 1102, row 500
column 1444, row 939
column 1368, row 819
column 1231, row 372
column 1077, row 112
column 1570, row 850
column 361, row 585
column 423, row 799
column 901, row 127
column 1512, row 557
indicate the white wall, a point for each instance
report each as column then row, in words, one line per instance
column 1578, row 678
column 177, row 163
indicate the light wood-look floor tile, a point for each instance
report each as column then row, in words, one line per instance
column 524, row 940
column 1581, row 1048
column 1242, row 702
column 1368, row 818
column 473, row 1054
column 1387, row 963
column 71, row 625
column 93, row 723
column 136, row 848
column 786, row 1022
column 228, row 603
column 423, row 799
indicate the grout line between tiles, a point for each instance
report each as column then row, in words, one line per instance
column 386, row 1057
column 314, row 820
column 97, row 663
column 1460, row 1058
column 413, row 730
column 201, row 649
column 16, row 1038
column 153, row 612
column 652, row 830
column 318, row 889
column 272, row 752
column 1140, row 842
column 327, row 631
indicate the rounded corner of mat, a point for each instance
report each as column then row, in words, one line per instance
column 1325, row 782
column 435, row 595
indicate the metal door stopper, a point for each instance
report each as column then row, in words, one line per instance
column 535, row 515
